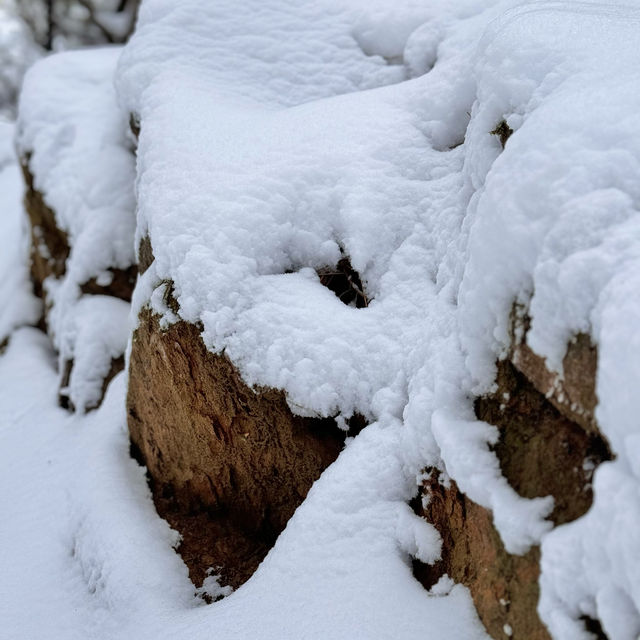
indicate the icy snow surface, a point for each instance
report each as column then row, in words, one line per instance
column 74, row 138
column 276, row 137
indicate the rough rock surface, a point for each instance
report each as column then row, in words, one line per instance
column 546, row 447
column 228, row 465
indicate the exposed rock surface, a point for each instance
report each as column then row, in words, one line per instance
column 549, row 445
column 49, row 244
column 574, row 392
column 228, row 465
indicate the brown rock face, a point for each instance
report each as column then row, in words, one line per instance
column 145, row 254
column 546, row 447
column 49, row 244
column 574, row 394
column 504, row 587
column 228, row 465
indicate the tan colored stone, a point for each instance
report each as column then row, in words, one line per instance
column 228, row 465
column 574, row 392
column 541, row 452
column 48, row 258
column 49, row 244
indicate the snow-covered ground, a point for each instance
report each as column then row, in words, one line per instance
column 276, row 137
column 84, row 554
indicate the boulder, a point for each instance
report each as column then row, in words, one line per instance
column 227, row 464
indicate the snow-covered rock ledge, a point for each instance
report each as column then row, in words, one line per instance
column 456, row 186
column 416, row 222
column 228, row 464
column 79, row 173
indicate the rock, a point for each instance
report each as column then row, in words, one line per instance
column 504, row 587
column 50, row 249
column 574, row 393
column 145, row 254
column 49, row 244
column 549, row 445
column 228, row 465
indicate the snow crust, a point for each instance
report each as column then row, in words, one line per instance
column 74, row 138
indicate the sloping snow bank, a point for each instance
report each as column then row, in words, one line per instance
column 74, row 139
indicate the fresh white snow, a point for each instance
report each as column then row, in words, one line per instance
column 275, row 138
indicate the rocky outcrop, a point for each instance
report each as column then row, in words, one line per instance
column 549, row 445
column 228, row 465
column 49, row 244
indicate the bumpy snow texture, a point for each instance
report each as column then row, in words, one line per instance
column 276, row 138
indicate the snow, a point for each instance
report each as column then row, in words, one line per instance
column 74, row 138
column 275, row 139
column 20, row 306
column 520, row 522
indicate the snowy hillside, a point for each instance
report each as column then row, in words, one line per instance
column 383, row 252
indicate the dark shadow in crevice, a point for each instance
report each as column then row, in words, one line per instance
column 345, row 282
column 503, row 131
column 594, row 627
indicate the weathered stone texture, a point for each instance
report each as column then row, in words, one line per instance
column 574, row 392
column 49, row 244
column 548, row 446
column 228, row 465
